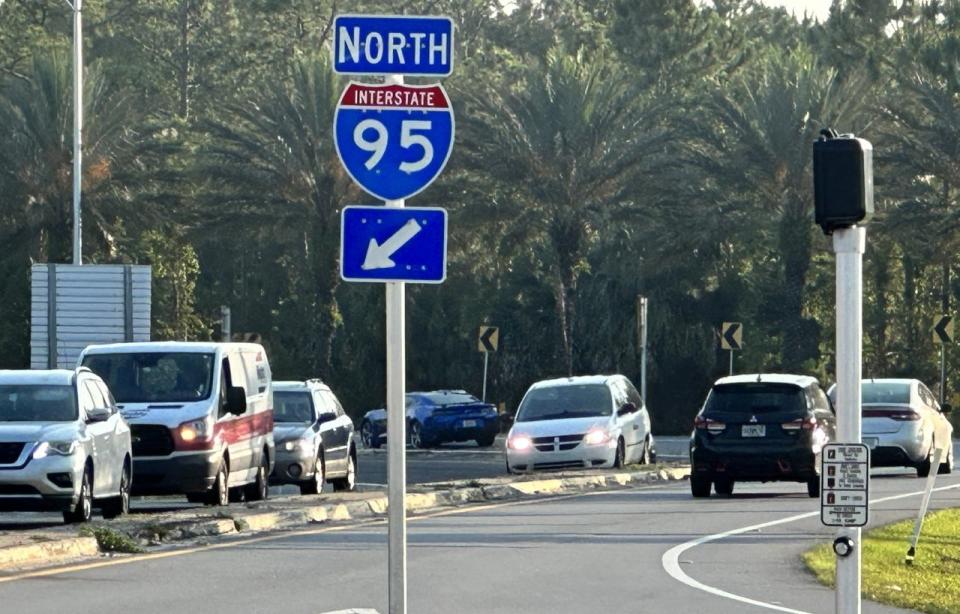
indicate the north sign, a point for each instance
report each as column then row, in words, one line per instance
column 414, row 46
column 394, row 139
column 381, row 244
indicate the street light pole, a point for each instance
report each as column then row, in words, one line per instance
column 77, row 6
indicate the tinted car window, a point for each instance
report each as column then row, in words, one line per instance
column 155, row 376
column 557, row 402
column 885, row 392
column 292, row 406
column 755, row 398
column 25, row 403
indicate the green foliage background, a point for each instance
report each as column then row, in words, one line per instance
column 606, row 149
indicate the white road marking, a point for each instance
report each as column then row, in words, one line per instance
column 671, row 558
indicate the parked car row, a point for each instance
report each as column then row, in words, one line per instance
column 166, row 418
column 773, row 427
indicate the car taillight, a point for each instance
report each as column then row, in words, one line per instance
column 905, row 416
column 712, row 426
column 807, row 424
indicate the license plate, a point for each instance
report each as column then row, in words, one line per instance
column 753, row 430
column 871, row 442
column 469, row 423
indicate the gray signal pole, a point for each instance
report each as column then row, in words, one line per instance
column 642, row 303
column 849, row 244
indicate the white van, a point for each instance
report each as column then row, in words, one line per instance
column 201, row 416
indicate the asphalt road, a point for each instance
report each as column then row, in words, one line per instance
column 602, row 552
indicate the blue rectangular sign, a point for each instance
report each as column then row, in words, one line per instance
column 393, row 244
column 393, row 44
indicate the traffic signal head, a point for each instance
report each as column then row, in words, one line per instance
column 842, row 180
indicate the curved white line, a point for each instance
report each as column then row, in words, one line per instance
column 671, row 558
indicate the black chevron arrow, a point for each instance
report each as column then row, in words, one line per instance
column 485, row 339
column 941, row 329
column 729, row 335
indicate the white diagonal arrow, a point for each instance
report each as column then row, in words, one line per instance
column 378, row 256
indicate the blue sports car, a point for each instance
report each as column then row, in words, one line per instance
column 437, row 417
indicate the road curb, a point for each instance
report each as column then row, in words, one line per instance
column 274, row 515
column 48, row 553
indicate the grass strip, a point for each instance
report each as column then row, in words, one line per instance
column 931, row 584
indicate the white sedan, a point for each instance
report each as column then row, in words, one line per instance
column 580, row 422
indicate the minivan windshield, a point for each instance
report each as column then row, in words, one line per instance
column 292, row 406
column 885, row 392
column 147, row 377
column 559, row 402
column 755, row 398
column 37, row 403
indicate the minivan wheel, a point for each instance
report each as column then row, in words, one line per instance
column 220, row 493
column 723, row 486
column 813, row 487
column 645, row 457
column 259, row 490
column 699, row 485
column 618, row 460
column 349, row 481
column 82, row 511
column 119, row 505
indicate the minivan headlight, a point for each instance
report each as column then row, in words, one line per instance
column 596, row 437
column 54, row 448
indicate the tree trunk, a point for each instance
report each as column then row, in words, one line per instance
column 795, row 249
column 184, row 65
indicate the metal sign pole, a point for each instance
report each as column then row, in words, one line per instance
column 396, row 433
column 943, row 373
column 77, row 7
column 849, row 244
column 731, row 362
column 486, row 361
column 643, row 349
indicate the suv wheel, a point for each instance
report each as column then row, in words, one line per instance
column 349, row 481
column 82, row 511
column 813, row 487
column 699, row 485
column 723, row 486
column 119, row 505
column 618, row 460
column 315, row 486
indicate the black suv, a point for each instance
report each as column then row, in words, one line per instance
column 760, row 428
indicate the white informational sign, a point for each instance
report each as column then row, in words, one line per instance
column 845, row 485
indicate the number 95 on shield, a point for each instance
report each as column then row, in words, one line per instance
column 394, row 140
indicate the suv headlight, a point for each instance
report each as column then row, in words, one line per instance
column 54, row 448
column 293, row 444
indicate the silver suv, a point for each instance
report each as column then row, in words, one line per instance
column 314, row 437
column 63, row 445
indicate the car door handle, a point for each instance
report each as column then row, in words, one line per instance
column 636, row 427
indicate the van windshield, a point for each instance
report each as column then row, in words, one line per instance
column 147, row 377
column 569, row 401
column 26, row 403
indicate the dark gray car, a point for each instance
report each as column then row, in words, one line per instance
column 314, row 438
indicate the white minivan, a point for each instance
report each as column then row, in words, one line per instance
column 201, row 416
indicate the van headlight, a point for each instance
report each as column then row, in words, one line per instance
column 596, row 437
column 195, row 430
column 54, row 448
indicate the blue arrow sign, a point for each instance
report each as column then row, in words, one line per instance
column 393, row 44
column 393, row 244
column 393, row 139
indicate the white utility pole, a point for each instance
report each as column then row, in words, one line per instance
column 396, row 433
column 486, row 362
column 77, row 6
column 849, row 245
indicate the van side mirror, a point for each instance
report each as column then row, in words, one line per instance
column 237, row 400
column 98, row 414
column 627, row 408
column 946, row 408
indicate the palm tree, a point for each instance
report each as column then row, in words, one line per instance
column 755, row 141
column 561, row 150
column 275, row 178
column 35, row 161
